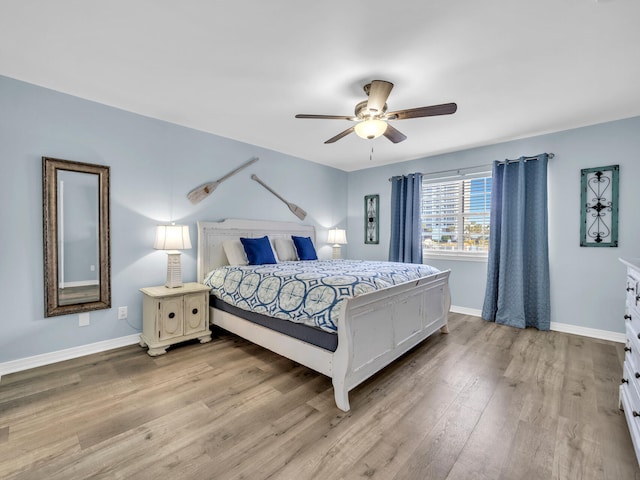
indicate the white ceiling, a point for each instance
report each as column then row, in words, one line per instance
column 242, row 69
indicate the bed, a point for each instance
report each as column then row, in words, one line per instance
column 374, row 328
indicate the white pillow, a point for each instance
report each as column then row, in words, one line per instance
column 234, row 251
column 272, row 241
column 285, row 249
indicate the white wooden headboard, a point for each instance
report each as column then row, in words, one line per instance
column 212, row 234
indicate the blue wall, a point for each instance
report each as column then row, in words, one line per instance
column 587, row 284
column 154, row 165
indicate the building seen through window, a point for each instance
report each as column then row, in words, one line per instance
column 455, row 216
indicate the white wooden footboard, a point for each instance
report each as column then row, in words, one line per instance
column 374, row 329
column 378, row 327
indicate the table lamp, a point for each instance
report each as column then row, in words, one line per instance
column 173, row 238
column 338, row 237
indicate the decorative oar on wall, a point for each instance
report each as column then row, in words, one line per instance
column 297, row 211
column 203, row 191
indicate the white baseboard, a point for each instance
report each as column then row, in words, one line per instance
column 588, row 332
column 67, row 354
column 75, row 352
column 466, row 311
column 559, row 327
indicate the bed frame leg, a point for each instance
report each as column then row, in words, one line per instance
column 342, row 399
column 444, row 329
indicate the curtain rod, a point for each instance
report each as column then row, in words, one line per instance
column 458, row 170
column 526, row 159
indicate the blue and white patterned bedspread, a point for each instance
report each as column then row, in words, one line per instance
column 308, row 292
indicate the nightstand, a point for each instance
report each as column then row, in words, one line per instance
column 173, row 315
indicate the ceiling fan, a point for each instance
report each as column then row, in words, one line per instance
column 372, row 115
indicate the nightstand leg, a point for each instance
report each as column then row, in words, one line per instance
column 154, row 352
column 205, row 338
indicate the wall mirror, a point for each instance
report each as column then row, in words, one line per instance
column 77, row 264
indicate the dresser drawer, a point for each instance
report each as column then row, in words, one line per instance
column 632, row 383
column 631, row 371
column 632, row 374
column 632, row 321
column 632, row 348
column 629, row 401
column 633, row 289
column 634, row 311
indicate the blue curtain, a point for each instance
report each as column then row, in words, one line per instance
column 517, row 291
column 406, row 245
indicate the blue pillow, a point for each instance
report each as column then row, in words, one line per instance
column 258, row 250
column 304, row 247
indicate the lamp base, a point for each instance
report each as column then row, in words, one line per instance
column 336, row 251
column 174, row 270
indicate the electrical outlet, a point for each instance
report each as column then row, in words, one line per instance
column 92, row 268
column 122, row 313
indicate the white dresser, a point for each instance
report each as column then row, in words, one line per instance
column 630, row 387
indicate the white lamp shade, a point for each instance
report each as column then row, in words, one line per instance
column 337, row 236
column 370, row 129
column 172, row 237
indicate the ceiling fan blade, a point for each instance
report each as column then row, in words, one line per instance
column 433, row 110
column 395, row 135
column 340, row 135
column 326, row 117
column 378, row 94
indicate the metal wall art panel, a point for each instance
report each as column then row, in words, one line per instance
column 371, row 227
column 599, row 201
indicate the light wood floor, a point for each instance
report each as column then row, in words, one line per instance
column 484, row 402
column 83, row 294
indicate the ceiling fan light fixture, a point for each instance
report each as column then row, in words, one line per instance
column 371, row 115
column 370, row 129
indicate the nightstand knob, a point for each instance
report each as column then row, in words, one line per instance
column 627, row 316
column 627, row 349
column 636, row 414
column 630, row 289
column 624, row 380
column 194, row 311
column 171, row 315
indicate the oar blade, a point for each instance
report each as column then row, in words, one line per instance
column 203, row 191
column 297, row 211
column 200, row 193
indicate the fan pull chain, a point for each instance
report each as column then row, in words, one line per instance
column 371, row 154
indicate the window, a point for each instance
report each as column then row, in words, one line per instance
column 455, row 216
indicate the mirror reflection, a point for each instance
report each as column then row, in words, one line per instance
column 78, row 266
column 76, row 236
